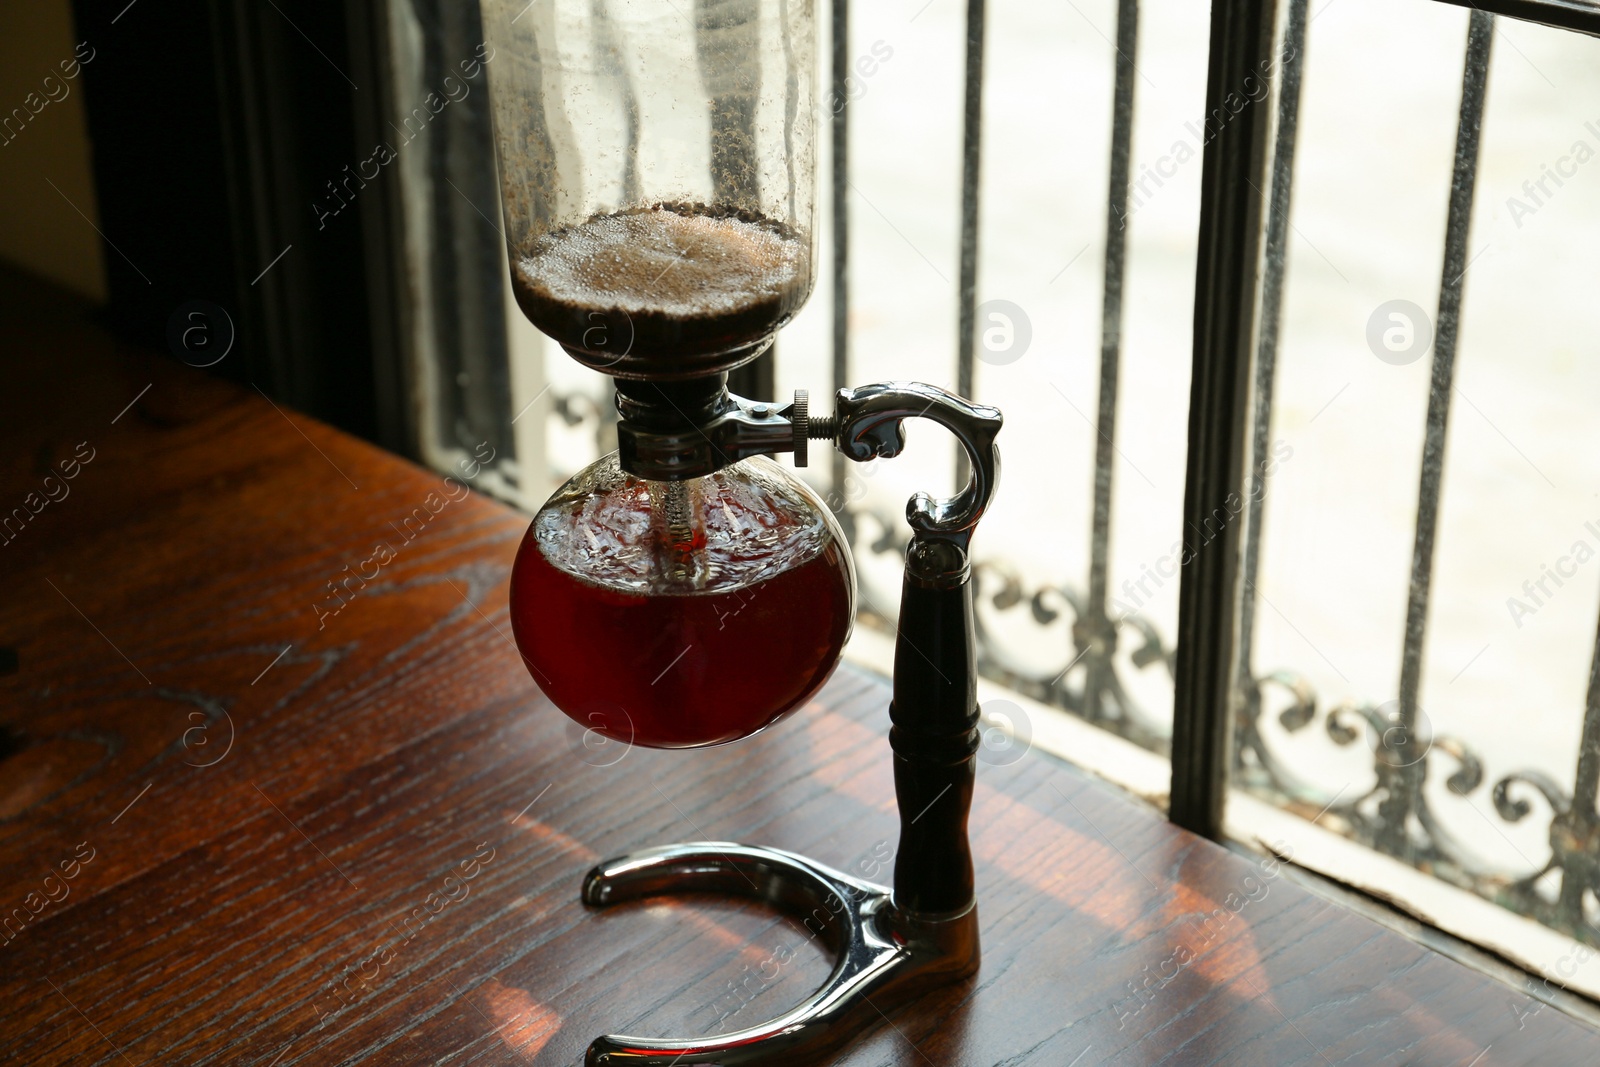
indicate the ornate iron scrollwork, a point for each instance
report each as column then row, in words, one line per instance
column 1090, row 681
column 1396, row 816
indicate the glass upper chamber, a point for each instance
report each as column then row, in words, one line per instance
column 658, row 171
column 682, row 614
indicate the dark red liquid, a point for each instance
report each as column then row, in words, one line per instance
column 681, row 671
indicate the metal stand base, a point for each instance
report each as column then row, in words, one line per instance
column 883, row 956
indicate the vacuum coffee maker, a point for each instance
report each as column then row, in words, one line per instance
column 658, row 173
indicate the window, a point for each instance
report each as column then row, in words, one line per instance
column 1226, row 578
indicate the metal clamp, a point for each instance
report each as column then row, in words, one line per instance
column 868, row 422
column 706, row 428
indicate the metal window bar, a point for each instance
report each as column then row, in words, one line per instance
column 1580, row 15
column 1247, row 736
column 1225, row 326
column 1097, row 634
column 1405, row 795
column 841, row 238
column 971, row 153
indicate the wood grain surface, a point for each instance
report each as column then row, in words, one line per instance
column 297, row 837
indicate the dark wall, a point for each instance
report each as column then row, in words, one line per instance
column 216, row 127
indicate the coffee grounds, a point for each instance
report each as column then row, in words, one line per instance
column 668, row 280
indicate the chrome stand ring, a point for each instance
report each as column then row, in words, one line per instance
column 883, row 956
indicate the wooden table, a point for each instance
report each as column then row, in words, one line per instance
column 305, row 837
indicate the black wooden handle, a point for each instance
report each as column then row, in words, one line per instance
column 935, row 731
